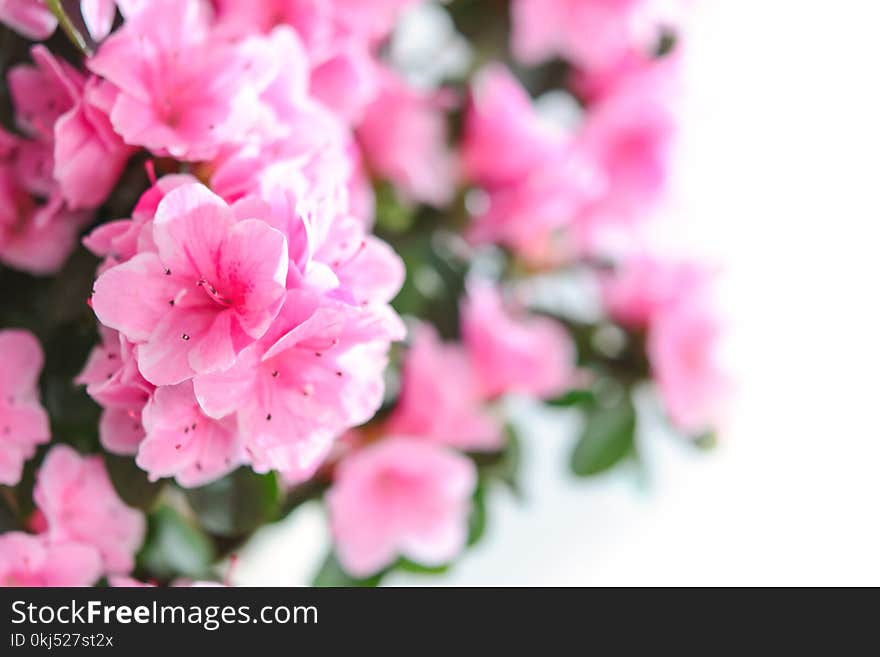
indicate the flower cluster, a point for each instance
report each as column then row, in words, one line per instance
column 302, row 194
column 409, row 494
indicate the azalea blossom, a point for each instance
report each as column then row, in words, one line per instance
column 180, row 92
column 215, row 283
column 403, row 134
column 28, row 560
column 400, row 497
column 113, row 380
column 683, row 349
column 181, row 441
column 61, row 107
column 434, row 408
column 669, row 300
column 537, row 179
column 512, row 351
column 24, row 423
column 645, row 285
column 75, row 495
column 591, row 33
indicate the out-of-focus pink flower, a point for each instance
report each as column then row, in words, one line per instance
column 670, row 301
column 181, row 92
column 538, row 181
column 28, row 560
column 403, row 134
column 590, row 33
column 504, row 139
column 644, row 286
column 181, row 441
column 114, row 381
column 400, row 497
column 514, row 352
column 341, row 38
column 24, row 423
column 215, row 284
column 30, row 18
column 58, row 106
column 629, row 129
column 79, row 503
column 683, row 351
column 34, row 238
column 346, row 82
column 441, row 398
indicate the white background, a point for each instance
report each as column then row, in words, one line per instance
column 777, row 179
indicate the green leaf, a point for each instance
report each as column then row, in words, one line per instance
column 413, row 567
column 392, row 215
column 573, row 398
column 502, row 466
column 477, row 519
column 332, row 573
column 175, row 547
column 131, row 483
column 706, row 441
column 236, row 504
column 609, row 436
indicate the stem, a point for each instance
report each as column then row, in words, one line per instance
column 76, row 38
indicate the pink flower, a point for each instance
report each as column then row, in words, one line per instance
column 670, row 301
column 57, row 105
column 644, row 286
column 114, row 381
column 181, row 441
column 30, row 18
column 537, row 180
column 24, row 423
column 629, row 131
column 591, row 33
column 34, row 238
column 514, row 352
column 441, row 398
column 682, row 348
column 504, row 139
column 79, row 503
column 317, row 373
column 27, row 560
column 181, row 91
column 400, row 497
column 341, row 39
column 215, row 285
column 119, row 241
column 403, row 134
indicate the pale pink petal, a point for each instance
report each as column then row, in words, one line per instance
column 134, row 296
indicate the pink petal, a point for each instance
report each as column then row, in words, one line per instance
column 134, row 296
column 189, row 229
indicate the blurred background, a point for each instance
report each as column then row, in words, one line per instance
column 776, row 180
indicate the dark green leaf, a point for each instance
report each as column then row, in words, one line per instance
column 175, row 547
column 706, row 441
column 331, row 573
column 392, row 215
column 477, row 519
column 131, row 483
column 573, row 398
column 609, row 436
column 236, row 504
column 413, row 567
column 502, row 466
